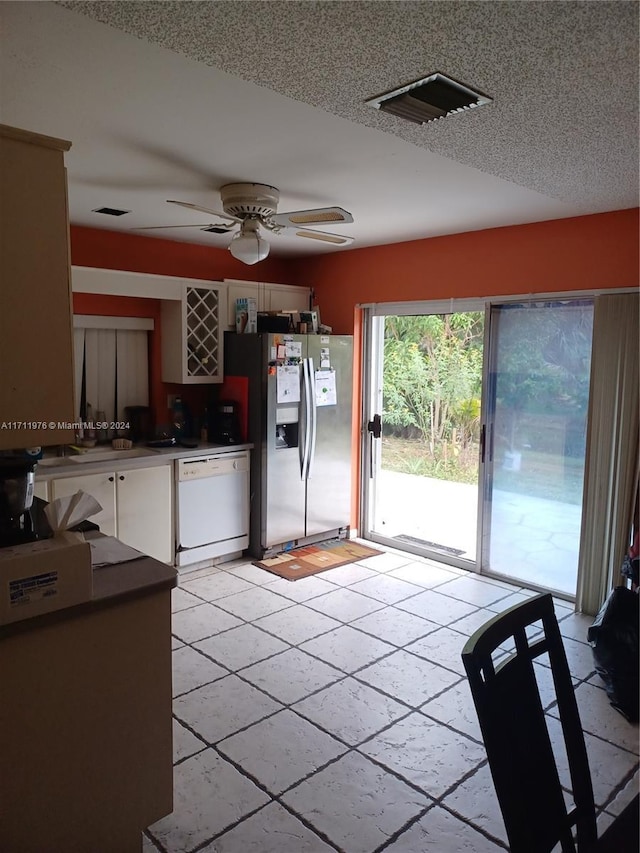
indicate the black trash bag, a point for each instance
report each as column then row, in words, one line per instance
column 614, row 640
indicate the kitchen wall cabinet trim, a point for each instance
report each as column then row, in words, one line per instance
column 125, row 283
column 97, row 321
column 36, row 350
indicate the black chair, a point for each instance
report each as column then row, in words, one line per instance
column 515, row 734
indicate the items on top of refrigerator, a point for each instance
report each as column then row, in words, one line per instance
column 246, row 316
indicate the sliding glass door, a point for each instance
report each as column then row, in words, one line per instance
column 426, row 380
column 538, row 394
column 475, row 435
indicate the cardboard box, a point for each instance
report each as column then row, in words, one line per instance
column 246, row 316
column 43, row 576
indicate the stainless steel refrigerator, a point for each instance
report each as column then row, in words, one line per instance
column 300, row 390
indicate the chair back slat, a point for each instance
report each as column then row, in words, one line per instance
column 515, row 733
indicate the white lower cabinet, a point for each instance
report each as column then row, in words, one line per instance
column 144, row 508
column 137, row 506
column 102, row 487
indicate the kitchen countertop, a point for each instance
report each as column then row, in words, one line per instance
column 112, row 585
column 63, row 466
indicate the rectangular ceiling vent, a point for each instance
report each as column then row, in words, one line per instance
column 430, row 98
column 110, row 211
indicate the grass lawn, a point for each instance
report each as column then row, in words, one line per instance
column 544, row 475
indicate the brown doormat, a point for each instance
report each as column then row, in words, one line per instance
column 302, row 562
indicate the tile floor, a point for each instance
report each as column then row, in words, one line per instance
column 332, row 713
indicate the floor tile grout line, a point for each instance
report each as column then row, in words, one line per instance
column 439, row 802
column 343, row 677
column 273, row 797
column 354, row 674
column 387, row 654
column 305, row 778
column 498, row 842
column 409, row 782
column 403, row 701
column 153, row 841
column 621, row 786
column 373, row 661
column 448, row 726
column 254, row 586
column 404, row 828
column 270, row 657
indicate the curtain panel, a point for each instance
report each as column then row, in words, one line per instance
column 612, row 456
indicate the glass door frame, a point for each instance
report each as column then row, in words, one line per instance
column 372, row 332
column 372, row 361
column 488, row 420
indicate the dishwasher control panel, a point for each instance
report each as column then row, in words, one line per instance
column 212, row 466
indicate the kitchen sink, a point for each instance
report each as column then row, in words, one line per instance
column 52, row 461
column 111, row 455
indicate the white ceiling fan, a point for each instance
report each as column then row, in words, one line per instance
column 252, row 207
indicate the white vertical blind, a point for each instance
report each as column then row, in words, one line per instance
column 612, row 448
column 100, row 374
column 114, row 362
column 78, row 366
column 132, row 370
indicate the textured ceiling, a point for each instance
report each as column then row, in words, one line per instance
column 560, row 139
column 563, row 74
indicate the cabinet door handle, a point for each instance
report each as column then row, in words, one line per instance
column 111, row 479
column 121, row 477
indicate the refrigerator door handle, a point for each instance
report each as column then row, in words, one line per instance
column 306, row 443
column 314, row 416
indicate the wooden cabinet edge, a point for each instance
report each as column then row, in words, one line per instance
column 48, row 175
column 34, row 138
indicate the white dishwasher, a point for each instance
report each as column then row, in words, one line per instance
column 212, row 506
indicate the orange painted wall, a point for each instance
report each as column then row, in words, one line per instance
column 580, row 253
column 95, row 247
column 587, row 252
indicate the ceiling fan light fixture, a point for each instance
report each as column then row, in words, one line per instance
column 248, row 246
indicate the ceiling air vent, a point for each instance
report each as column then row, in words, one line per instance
column 110, row 211
column 430, row 98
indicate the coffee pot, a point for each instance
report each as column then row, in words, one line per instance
column 17, row 480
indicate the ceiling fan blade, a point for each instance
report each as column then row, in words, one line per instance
column 316, row 216
column 324, row 236
column 217, row 228
column 197, row 207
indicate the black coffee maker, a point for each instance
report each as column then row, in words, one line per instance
column 224, row 425
column 17, row 479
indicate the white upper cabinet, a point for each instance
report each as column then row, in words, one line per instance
column 285, row 297
column 192, row 335
column 268, row 296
